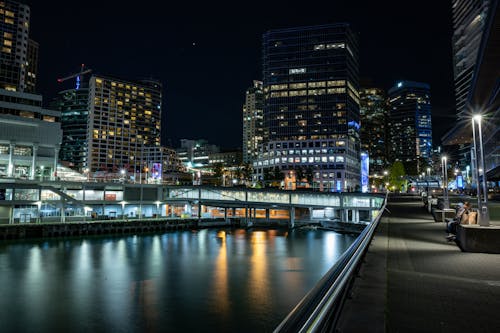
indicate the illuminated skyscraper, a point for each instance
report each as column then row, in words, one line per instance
column 411, row 124
column 123, row 118
column 73, row 105
column 18, row 53
column 311, row 109
column 373, row 110
column 253, row 122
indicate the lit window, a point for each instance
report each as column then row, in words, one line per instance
column 296, row 70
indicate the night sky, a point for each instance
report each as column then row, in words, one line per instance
column 207, row 55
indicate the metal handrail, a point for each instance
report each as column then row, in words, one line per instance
column 321, row 306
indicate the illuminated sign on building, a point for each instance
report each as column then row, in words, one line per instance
column 365, row 167
column 156, row 171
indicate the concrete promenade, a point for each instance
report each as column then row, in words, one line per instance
column 414, row 280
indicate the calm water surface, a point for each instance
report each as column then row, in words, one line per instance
column 227, row 280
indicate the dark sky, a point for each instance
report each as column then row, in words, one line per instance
column 207, row 55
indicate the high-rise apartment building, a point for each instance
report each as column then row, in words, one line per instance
column 469, row 18
column 476, row 61
column 253, row 121
column 311, row 108
column 411, row 125
column 373, row 111
column 18, row 53
column 123, row 118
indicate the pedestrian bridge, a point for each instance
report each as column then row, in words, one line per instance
column 24, row 201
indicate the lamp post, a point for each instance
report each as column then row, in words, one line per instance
column 484, row 217
column 445, row 181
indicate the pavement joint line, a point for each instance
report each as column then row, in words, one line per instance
column 493, row 283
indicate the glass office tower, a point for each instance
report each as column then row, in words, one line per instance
column 311, row 106
column 411, row 125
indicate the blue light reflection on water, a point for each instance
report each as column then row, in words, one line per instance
column 222, row 280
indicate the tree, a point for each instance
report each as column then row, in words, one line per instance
column 247, row 171
column 309, row 175
column 218, row 172
column 396, row 176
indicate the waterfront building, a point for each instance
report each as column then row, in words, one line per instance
column 195, row 153
column 311, row 107
column 123, row 119
column 159, row 163
column 476, row 26
column 411, row 125
column 253, row 121
column 30, row 136
column 18, row 53
column 373, row 112
column 228, row 158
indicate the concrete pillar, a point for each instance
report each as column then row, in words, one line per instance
column 356, row 215
column 310, row 213
column 33, row 161
column 56, row 155
column 292, row 218
column 172, row 211
column 10, row 167
column 11, row 215
column 63, row 213
column 267, row 215
column 225, row 214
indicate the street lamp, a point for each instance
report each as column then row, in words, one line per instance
column 122, row 173
column 445, row 181
column 484, row 217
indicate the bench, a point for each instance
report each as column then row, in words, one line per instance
column 443, row 215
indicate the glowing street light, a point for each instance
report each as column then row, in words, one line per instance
column 484, row 218
column 445, row 181
column 428, row 172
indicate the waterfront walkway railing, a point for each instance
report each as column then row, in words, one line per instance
column 319, row 310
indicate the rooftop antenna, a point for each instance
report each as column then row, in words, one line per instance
column 78, row 76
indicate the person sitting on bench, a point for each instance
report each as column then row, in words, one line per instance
column 462, row 215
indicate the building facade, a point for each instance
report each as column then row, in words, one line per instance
column 196, row 153
column 311, row 108
column 18, row 53
column 73, row 105
column 373, row 111
column 124, row 117
column 30, row 137
column 469, row 19
column 411, row 125
column 253, row 122
column 476, row 62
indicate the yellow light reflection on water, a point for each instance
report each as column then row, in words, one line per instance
column 258, row 282
column 221, row 284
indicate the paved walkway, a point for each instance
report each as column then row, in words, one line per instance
column 413, row 280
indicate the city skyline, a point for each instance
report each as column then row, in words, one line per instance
column 207, row 61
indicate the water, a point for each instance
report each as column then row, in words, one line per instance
column 207, row 281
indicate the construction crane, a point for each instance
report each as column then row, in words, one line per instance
column 78, row 76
